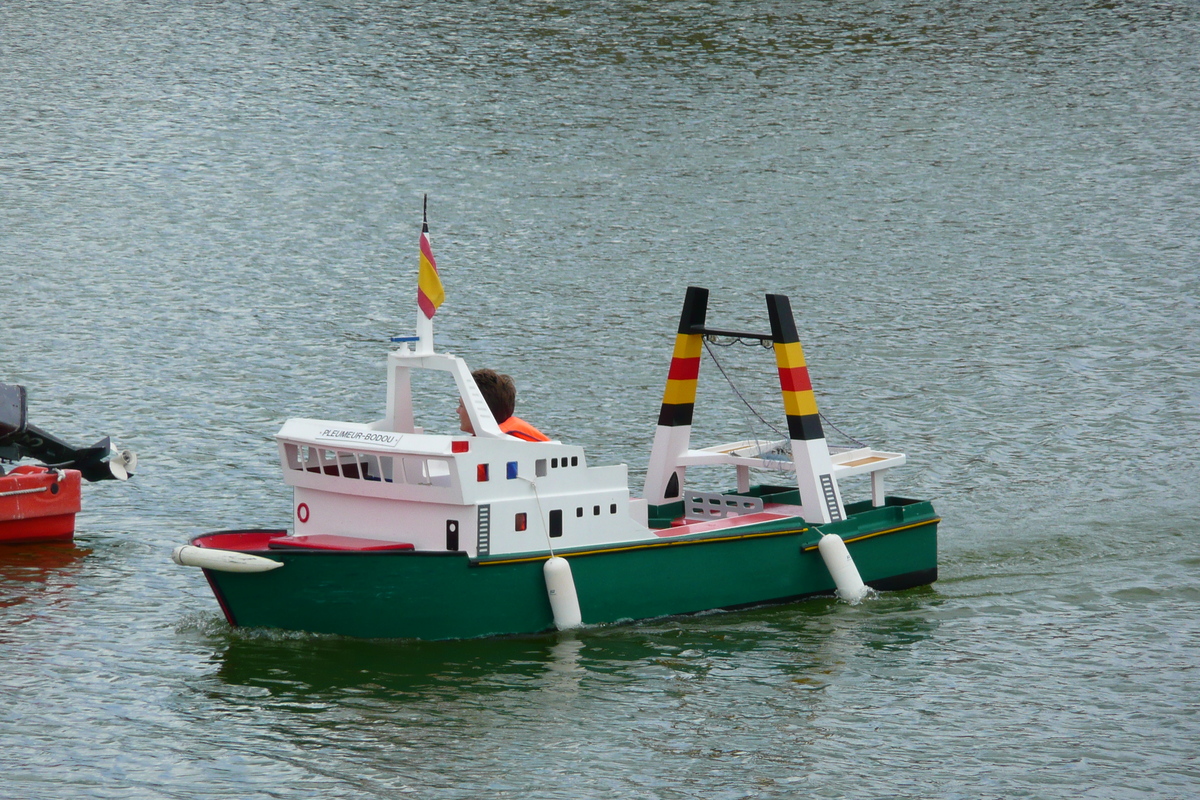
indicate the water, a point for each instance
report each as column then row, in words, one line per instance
column 986, row 219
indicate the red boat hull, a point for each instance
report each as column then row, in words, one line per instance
column 38, row 505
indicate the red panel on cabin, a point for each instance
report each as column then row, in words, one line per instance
column 330, row 541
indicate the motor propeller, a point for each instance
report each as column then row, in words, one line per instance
column 19, row 439
column 122, row 464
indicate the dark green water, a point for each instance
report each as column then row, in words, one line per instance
column 988, row 220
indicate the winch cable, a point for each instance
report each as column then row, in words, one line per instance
column 537, row 498
column 711, row 340
column 750, row 426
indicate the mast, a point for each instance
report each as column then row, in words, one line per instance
column 664, row 476
column 417, row 352
column 819, row 494
column 820, row 497
column 429, row 287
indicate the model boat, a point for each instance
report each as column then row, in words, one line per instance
column 39, row 501
column 402, row 533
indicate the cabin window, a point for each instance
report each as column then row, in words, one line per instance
column 439, row 472
column 512, row 470
column 427, row 472
column 368, row 467
column 522, row 521
column 556, row 523
column 292, row 456
column 415, row 471
column 574, row 461
column 539, row 468
column 313, row 462
column 612, row 509
column 481, row 472
column 377, row 468
column 595, row 511
column 352, row 465
column 554, row 463
column 579, row 511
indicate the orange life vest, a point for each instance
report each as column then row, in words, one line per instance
column 515, row 426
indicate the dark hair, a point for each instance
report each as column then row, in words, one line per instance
column 498, row 390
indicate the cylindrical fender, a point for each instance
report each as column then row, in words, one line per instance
column 564, row 601
column 850, row 586
column 221, row 560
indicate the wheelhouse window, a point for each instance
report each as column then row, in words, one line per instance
column 294, row 455
column 341, row 463
column 377, row 468
column 426, row 471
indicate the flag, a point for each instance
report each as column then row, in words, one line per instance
column 429, row 286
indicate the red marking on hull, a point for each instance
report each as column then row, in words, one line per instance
column 36, row 506
column 225, row 609
column 42, row 529
column 242, row 541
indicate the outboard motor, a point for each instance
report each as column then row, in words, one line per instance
column 19, row 439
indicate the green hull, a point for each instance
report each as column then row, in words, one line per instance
column 449, row 596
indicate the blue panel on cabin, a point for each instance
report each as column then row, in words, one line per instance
column 512, row 470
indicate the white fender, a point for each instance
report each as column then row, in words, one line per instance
column 850, row 586
column 187, row 555
column 564, row 600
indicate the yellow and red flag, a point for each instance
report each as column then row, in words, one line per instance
column 429, row 285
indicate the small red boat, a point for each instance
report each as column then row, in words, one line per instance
column 38, row 502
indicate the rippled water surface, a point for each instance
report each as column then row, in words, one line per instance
column 988, row 220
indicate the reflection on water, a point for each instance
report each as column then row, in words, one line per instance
column 813, row 636
column 287, row 664
column 37, row 571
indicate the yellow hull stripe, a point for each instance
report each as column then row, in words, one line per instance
column 662, row 543
column 933, row 521
column 669, row 543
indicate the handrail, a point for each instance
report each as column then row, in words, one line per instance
column 24, row 491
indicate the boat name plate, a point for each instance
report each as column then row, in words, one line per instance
column 362, row 437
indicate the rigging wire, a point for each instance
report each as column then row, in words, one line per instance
column 733, row 386
column 714, row 340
